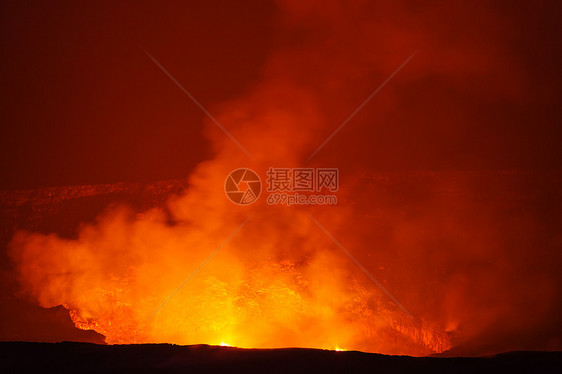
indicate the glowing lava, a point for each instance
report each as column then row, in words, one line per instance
column 114, row 281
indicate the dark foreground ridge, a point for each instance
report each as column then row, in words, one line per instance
column 68, row 357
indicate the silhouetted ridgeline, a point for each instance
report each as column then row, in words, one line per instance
column 85, row 357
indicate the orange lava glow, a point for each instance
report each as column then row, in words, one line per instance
column 114, row 277
column 279, row 282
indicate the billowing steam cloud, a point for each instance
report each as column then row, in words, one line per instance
column 280, row 281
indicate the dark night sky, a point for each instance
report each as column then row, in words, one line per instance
column 81, row 102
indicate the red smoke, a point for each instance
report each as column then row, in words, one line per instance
column 476, row 269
